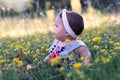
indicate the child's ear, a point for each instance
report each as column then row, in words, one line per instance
column 67, row 33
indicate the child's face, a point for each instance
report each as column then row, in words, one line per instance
column 60, row 32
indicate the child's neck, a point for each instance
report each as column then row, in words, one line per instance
column 62, row 43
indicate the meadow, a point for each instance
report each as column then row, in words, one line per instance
column 24, row 42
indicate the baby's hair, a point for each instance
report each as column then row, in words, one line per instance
column 75, row 21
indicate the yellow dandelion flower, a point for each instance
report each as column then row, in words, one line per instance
column 117, row 48
column 99, row 32
column 20, row 63
column 85, row 57
column 113, row 53
column 103, row 51
column 2, row 61
column 42, row 54
column 47, row 49
column 28, row 43
column 36, row 59
column 97, row 60
column 111, row 42
column 82, row 58
column 44, row 37
column 105, row 60
column 71, row 56
column 96, row 39
column 65, row 61
column 110, row 57
column 108, row 60
column 26, row 53
column 77, row 65
column 16, row 59
column 69, row 75
column 78, row 72
column 9, row 65
column 0, row 72
column 55, row 60
column 37, row 51
column 61, row 69
column 96, row 47
column 67, row 40
column 1, row 57
column 117, row 44
column 89, row 65
column 35, row 55
column 43, row 46
column 106, row 46
column 88, row 79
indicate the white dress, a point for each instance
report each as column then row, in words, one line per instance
column 64, row 51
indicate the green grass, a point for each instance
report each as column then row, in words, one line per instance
column 31, row 49
column 25, row 41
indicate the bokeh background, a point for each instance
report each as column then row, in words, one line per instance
column 26, row 33
column 22, row 17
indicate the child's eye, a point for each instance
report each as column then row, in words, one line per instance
column 56, row 25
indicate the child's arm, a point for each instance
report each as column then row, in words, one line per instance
column 84, row 53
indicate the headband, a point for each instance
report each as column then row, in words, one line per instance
column 66, row 24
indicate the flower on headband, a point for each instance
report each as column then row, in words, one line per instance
column 67, row 40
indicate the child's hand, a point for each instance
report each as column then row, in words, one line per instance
column 46, row 58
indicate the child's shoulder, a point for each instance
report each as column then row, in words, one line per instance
column 75, row 44
column 82, row 48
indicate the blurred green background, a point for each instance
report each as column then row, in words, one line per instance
column 39, row 7
column 26, row 33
